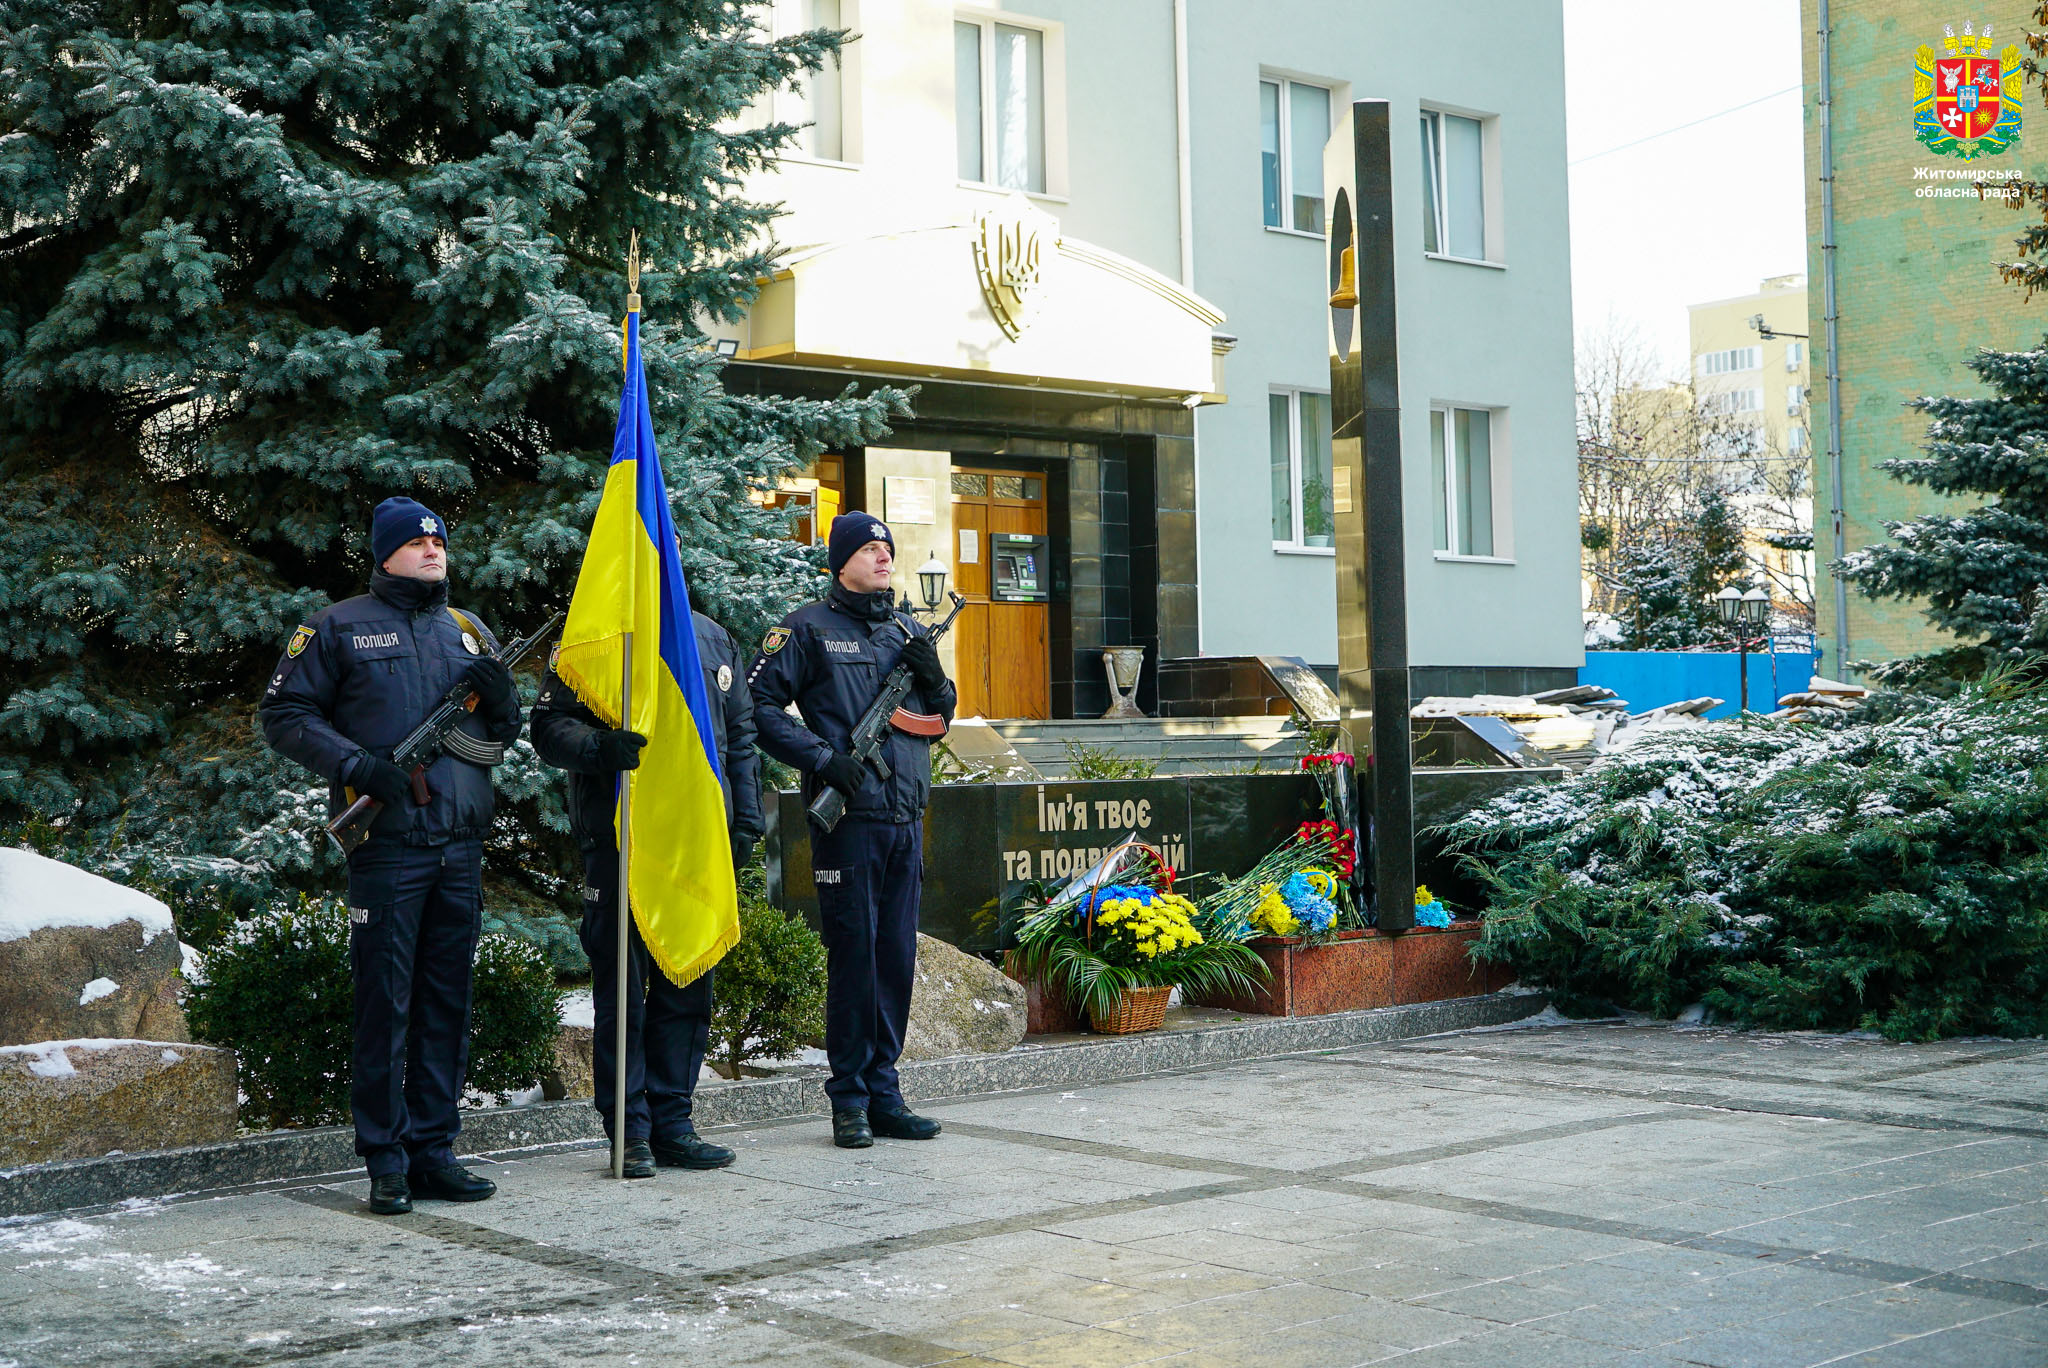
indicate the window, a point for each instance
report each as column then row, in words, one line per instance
column 1732, row 360
column 999, row 104
column 1734, row 401
column 1795, row 399
column 1453, row 186
column 820, row 95
column 1294, row 123
column 1299, row 437
column 1461, row 469
column 1795, row 355
column 1795, row 439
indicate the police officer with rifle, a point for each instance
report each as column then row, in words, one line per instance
column 836, row 661
column 355, row 681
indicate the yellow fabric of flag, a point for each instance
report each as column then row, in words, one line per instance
column 679, row 870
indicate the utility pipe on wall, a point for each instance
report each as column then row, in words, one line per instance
column 1829, row 316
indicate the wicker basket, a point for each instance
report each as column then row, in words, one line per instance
column 1137, row 1009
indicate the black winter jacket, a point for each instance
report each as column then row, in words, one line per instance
column 565, row 735
column 830, row 658
column 358, row 676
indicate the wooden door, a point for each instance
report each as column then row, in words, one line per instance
column 1001, row 651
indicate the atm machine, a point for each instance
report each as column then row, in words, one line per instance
column 1021, row 573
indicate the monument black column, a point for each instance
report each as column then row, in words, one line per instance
column 1372, row 581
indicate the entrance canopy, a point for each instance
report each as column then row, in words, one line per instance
column 1002, row 299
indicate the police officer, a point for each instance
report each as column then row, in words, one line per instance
column 355, row 678
column 667, row 1028
column 830, row 659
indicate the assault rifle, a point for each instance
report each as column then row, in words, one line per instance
column 426, row 742
column 885, row 712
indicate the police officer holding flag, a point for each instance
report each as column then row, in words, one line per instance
column 668, row 1029
column 831, row 659
column 355, row 678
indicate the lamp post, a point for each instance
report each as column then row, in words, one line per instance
column 1742, row 612
column 931, row 582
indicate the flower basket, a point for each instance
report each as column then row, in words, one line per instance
column 1137, row 1009
column 1112, row 944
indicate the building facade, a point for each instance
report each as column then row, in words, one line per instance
column 1758, row 385
column 1917, row 289
column 1093, row 235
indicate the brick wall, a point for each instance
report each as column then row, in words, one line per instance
column 1916, row 284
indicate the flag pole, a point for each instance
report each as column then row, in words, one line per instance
column 625, row 921
column 625, row 930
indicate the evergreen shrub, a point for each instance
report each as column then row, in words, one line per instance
column 278, row 992
column 515, row 1015
column 769, row 992
column 1887, row 875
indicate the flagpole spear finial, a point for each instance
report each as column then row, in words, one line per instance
column 633, row 272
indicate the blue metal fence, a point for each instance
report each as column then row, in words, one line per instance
column 1650, row 679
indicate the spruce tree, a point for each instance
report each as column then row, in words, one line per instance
column 1663, row 582
column 262, row 267
column 1980, row 572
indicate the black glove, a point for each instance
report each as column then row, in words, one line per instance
column 619, row 750
column 742, row 850
column 923, row 659
column 844, row 773
column 382, row 780
column 492, row 684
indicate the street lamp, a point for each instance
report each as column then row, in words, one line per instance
column 931, row 582
column 1742, row 612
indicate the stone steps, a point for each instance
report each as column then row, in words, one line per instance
column 1176, row 745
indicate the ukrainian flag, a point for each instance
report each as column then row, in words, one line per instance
column 680, row 876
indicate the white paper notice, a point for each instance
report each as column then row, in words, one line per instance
column 970, row 546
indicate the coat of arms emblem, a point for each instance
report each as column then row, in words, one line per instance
column 1013, row 248
column 1966, row 101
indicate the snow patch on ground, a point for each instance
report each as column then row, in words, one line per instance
column 36, row 893
column 579, row 1008
column 1549, row 1016
column 97, row 989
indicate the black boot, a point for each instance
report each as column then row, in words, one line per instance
column 639, row 1160
column 453, row 1183
column 687, row 1149
column 901, row 1123
column 850, row 1128
column 390, row 1195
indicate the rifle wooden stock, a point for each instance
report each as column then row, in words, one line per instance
column 917, row 724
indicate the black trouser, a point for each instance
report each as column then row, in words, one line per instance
column 667, row 1028
column 414, row 913
column 869, row 877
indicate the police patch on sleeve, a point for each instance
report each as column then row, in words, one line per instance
column 300, row 640
column 555, row 655
column 777, row 638
column 725, row 679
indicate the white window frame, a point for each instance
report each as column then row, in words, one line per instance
column 1499, row 485
column 1053, row 51
column 1795, row 400
column 1285, row 81
column 1795, row 355
column 1297, row 544
column 1730, row 361
column 1489, row 188
column 785, row 104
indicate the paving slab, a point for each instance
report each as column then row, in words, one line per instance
column 1587, row 1196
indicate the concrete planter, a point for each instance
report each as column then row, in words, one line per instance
column 1364, row 969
